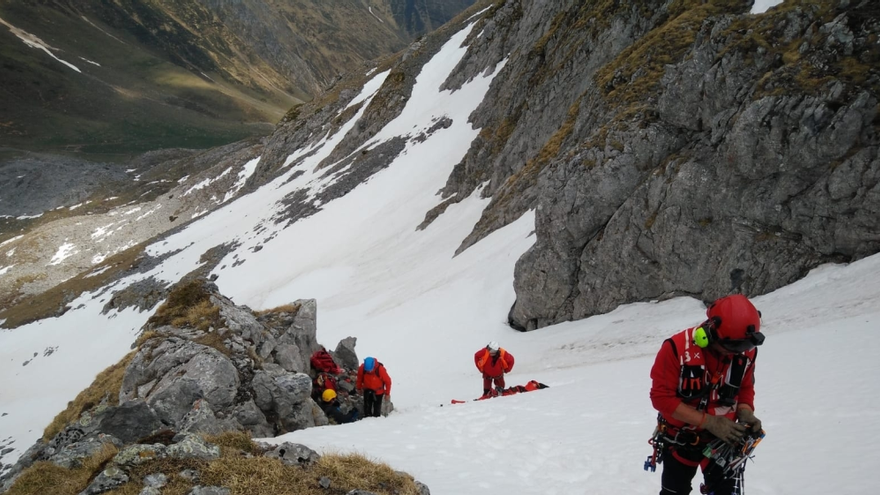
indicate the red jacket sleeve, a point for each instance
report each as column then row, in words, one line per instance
column 508, row 358
column 359, row 383
column 385, row 379
column 664, row 380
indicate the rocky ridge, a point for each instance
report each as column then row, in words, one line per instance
column 201, row 366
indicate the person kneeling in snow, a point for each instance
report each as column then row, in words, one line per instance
column 493, row 362
column 331, row 407
column 376, row 385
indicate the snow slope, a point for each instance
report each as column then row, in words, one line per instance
column 423, row 313
column 817, row 395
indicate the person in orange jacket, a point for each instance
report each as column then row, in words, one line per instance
column 375, row 383
column 493, row 362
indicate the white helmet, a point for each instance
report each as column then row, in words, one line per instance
column 493, row 346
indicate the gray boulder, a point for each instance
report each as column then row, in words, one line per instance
column 252, row 419
column 345, row 355
column 157, row 480
column 304, row 329
column 201, row 419
column 286, row 396
column 193, row 447
column 183, row 371
column 129, row 421
column 290, row 357
column 293, row 454
column 71, row 456
column 110, row 478
column 188, row 447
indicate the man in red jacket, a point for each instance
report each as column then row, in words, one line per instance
column 703, row 387
column 493, row 362
column 376, row 385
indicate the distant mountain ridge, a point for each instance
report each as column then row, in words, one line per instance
column 129, row 76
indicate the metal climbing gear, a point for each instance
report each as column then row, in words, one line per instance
column 731, row 458
column 663, row 439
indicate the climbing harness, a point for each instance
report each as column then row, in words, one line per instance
column 663, row 439
column 730, row 458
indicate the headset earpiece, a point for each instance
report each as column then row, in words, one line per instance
column 705, row 333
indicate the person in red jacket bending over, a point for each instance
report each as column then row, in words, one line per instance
column 375, row 383
column 703, row 387
column 493, row 362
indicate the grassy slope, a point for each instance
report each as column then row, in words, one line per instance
column 134, row 101
column 180, row 74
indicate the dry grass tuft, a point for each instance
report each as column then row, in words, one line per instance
column 145, row 336
column 238, row 441
column 106, row 385
column 240, row 468
column 356, row 471
column 202, row 316
column 215, row 340
column 287, row 308
column 262, row 476
column 188, row 305
column 44, row 477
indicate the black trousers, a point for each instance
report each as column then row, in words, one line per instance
column 677, row 476
column 372, row 404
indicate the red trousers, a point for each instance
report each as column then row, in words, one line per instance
column 487, row 382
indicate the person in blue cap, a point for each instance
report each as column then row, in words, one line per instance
column 375, row 383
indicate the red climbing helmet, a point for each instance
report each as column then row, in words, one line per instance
column 737, row 323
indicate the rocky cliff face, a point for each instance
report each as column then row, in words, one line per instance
column 746, row 158
column 674, row 149
column 669, row 148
